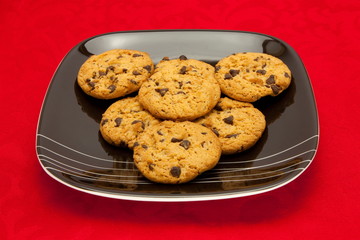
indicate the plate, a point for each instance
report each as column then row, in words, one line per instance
column 71, row 150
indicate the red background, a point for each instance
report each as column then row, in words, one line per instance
column 323, row 203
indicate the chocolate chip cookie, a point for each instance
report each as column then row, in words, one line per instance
column 180, row 90
column 176, row 152
column 114, row 73
column 124, row 120
column 238, row 125
column 185, row 66
column 250, row 76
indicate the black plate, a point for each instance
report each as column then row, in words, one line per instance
column 71, row 150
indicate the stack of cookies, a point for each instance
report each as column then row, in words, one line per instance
column 179, row 124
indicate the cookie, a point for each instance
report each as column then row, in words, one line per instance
column 185, row 66
column 114, row 73
column 238, row 125
column 250, row 76
column 176, row 152
column 173, row 94
column 122, row 122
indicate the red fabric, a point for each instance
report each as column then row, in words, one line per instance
column 323, row 203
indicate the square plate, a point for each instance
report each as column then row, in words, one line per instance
column 71, row 150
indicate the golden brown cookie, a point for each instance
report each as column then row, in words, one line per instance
column 124, row 120
column 237, row 124
column 176, row 152
column 114, row 73
column 179, row 90
column 185, row 66
column 250, row 76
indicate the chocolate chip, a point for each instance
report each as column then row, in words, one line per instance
column 133, row 81
column 174, row 140
column 124, row 70
column 215, row 131
column 160, row 133
column 162, row 91
column 231, row 135
column 175, row 171
column 180, row 84
column 136, row 121
column 185, row 144
column 102, row 73
column 161, row 140
column 91, row 84
column 204, row 133
column 256, row 59
column 270, row 80
column 227, row 76
column 183, row 70
column 118, row 122
column 120, row 56
column 151, row 166
column 139, row 121
column 103, row 122
column 112, row 88
column 183, row 57
column 263, row 66
column 135, row 72
column 136, row 144
column 144, row 146
column 262, row 72
column 234, row 72
column 136, row 55
column 217, row 68
column 110, row 68
column 276, row 89
column 286, row 75
column 203, row 144
column 180, row 92
column 166, row 59
column 147, row 68
column 229, row 120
